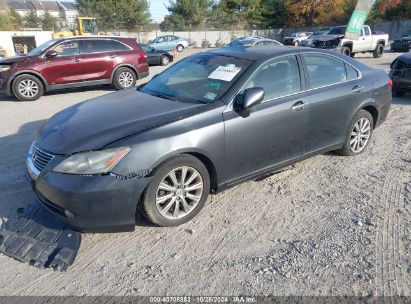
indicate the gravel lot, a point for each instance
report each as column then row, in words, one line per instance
column 326, row 226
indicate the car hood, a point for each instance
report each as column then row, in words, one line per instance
column 14, row 59
column 94, row 124
column 327, row 37
column 403, row 39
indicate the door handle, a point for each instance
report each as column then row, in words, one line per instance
column 357, row 89
column 76, row 59
column 113, row 56
column 298, row 106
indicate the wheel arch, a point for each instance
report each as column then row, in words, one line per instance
column 349, row 45
column 124, row 65
column 27, row 72
column 372, row 109
column 202, row 156
column 381, row 42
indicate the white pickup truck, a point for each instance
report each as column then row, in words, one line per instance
column 368, row 42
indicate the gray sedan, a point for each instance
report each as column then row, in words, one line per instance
column 253, row 42
column 209, row 122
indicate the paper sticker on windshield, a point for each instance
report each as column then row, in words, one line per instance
column 225, row 73
column 210, row 96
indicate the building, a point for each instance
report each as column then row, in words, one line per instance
column 70, row 13
column 65, row 12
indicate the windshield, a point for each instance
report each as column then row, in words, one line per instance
column 337, row 31
column 38, row 50
column 202, row 78
column 146, row 48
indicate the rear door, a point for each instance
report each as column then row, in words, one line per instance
column 63, row 68
column 335, row 91
column 98, row 59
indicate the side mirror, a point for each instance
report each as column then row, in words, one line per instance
column 250, row 98
column 51, row 54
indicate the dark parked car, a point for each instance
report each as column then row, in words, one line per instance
column 401, row 74
column 210, row 121
column 403, row 44
column 73, row 62
column 157, row 57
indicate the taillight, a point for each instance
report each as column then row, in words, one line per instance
column 143, row 54
column 390, row 84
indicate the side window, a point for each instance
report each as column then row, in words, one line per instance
column 174, row 38
column 324, row 70
column 351, row 72
column 118, row 46
column 367, row 31
column 90, row 46
column 278, row 78
column 68, row 48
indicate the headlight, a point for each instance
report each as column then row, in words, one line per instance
column 4, row 68
column 95, row 162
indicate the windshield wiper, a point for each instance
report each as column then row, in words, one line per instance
column 163, row 96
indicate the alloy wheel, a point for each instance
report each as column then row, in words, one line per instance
column 179, row 192
column 360, row 135
column 126, row 79
column 28, row 88
column 165, row 60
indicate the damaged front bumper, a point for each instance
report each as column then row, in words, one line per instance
column 101, row 203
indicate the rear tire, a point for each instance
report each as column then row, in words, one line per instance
column 164, row 60
column 173, row 204
column 379, row 51
column 27, row 88
column 124, row 78
column 360, row 131
column 180, row 48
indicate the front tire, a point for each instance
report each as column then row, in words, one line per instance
column 346, row 51
column 27, row 88
column 379, row 51
column 358, row 135
column 296, row 43
column 124, row 78
column 177, row 192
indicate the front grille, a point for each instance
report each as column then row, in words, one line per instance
column 324, row 44
column 40, row 158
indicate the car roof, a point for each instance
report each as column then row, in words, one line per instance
column 265, row 52
column 94, row 37
column 406, row 58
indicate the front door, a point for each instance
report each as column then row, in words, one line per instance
column 275, row 130
column 63, row 68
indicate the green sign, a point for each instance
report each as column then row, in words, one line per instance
column 357, row 21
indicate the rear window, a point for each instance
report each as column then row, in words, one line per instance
column 95, row 46
column 351, row 72
column 118, row 46
column 325, row 70
column 90, row 46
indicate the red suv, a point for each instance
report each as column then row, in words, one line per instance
column 73, row 62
